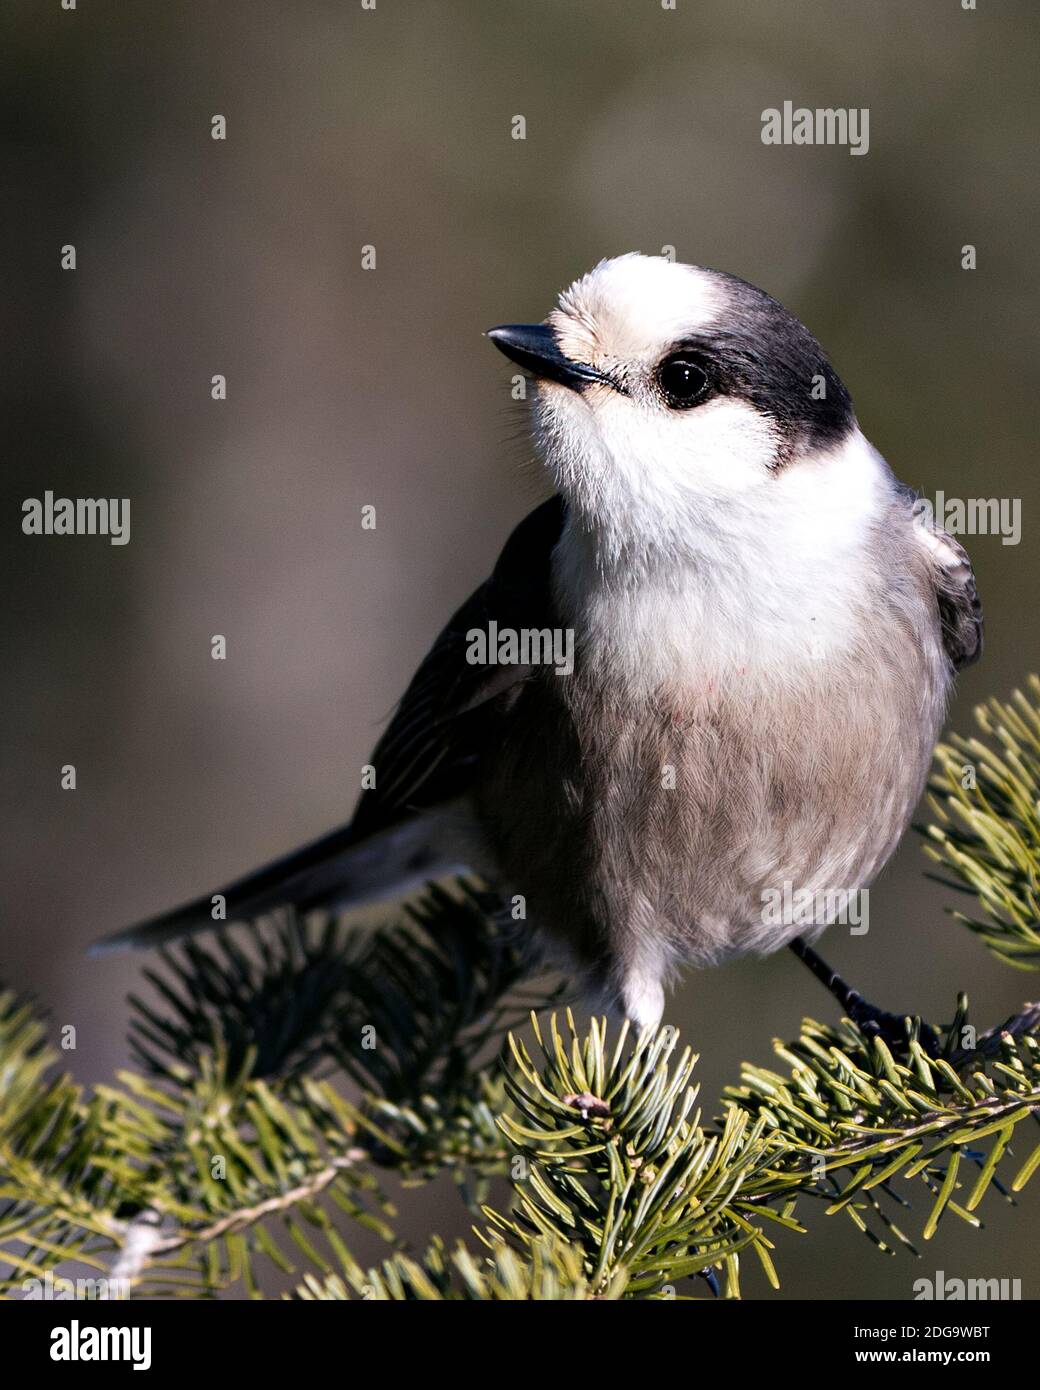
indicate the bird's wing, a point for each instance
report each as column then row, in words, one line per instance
column 960, row 611
column 449, row 714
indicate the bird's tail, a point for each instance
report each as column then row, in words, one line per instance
column 337, row 871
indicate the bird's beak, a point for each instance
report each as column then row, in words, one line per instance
column 534, row 347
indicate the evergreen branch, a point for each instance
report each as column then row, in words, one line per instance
column 610, row 1163
column 986, row 798
column 612, row 1166
column 400, row 1009
column 407, row 1012
column 614, row 1160
column 242, row 1219
column 211, row 1161
column 553, row 1271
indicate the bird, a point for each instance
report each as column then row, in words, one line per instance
column 766, row 628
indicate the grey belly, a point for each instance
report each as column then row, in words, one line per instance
column 690, row 823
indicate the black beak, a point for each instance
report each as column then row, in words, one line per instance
column 533, row 346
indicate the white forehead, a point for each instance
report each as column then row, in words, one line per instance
column 631, row 307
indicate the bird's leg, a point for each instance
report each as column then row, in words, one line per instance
column 871, row 1020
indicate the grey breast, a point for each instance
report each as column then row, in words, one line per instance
column 674, row 816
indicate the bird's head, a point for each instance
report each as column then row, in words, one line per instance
column 665, row 391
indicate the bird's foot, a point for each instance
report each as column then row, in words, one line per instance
column 892, row 1029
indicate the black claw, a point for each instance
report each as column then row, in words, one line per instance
column 892, row 1028
column 874, row 1022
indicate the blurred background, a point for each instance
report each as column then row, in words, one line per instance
column 347, row 387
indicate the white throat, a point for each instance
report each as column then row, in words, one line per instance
column 762, row 583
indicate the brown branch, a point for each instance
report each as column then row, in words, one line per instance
column 141, row 1242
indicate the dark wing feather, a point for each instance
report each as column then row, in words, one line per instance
column 448, row 714
column 960, row 610
column 447, row 717
column 956, row 595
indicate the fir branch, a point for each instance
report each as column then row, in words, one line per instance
column 552, row 1271
column 986, row 798
column 240, row 1220
column 607, row 1153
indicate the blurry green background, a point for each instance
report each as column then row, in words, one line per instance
column 346, row 387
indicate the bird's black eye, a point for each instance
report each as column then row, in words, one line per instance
column 683, row 381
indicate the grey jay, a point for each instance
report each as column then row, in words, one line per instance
column 765, row 630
